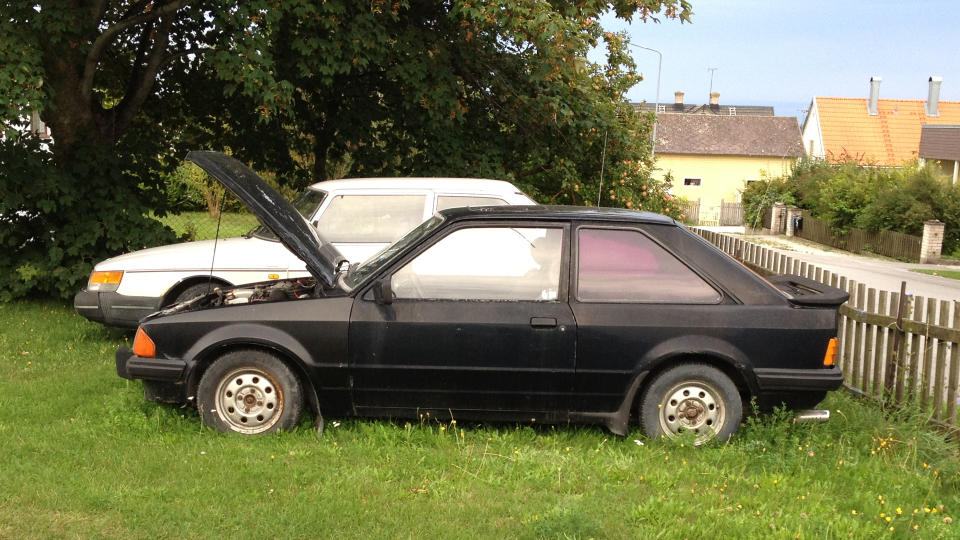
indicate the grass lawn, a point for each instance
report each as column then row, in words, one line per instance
column 952, row 274
column 85, row 455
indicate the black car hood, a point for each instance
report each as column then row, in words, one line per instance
column 274, row 212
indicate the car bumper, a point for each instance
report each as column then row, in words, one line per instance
column 799, row 380
column 164, row 379
column 114, row 309
column 167, row 370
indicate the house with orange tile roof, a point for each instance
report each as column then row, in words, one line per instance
column 874, row 131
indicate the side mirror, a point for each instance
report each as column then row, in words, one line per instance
column 382, row 292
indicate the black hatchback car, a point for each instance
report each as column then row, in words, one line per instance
column 527, row 313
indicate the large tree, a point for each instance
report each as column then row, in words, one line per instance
column 473, row 88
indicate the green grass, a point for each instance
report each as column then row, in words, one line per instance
column 952, row 274
column 200, row 226
column 84, row 455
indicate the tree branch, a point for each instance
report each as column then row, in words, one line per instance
column 134, row 78
column 132, row 102
column 102, row 41
column 97, row 10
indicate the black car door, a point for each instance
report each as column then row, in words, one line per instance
column 478, row 321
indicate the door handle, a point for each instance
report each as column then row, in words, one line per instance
column 543, row 322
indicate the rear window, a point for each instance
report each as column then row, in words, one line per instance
column 616, row 265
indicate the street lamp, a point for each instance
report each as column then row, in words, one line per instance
column 656, row 108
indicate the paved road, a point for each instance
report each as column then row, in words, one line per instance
column 882, row 274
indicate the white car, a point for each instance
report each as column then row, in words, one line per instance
column 358, row 216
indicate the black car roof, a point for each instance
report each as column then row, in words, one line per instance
column 587, row 213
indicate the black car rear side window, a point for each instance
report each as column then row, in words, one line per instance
column 618, row 265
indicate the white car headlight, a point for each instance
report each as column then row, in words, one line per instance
column 105, row 281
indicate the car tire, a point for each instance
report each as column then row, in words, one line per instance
column 693, row 397
column 249, row 392
column 194, row 291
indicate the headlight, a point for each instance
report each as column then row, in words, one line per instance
column 105, row 281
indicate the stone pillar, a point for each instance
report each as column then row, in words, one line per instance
column 791, row 212
column 777, row 216
column 932, row 241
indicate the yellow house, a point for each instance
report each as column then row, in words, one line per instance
column 711, row 158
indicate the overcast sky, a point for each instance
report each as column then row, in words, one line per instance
column 776, row 52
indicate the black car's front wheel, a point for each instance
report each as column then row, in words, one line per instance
column 691, row 398
column 249, row 392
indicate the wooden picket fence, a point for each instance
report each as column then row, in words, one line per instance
column 731, row 213
column 691, row 212
column 888, row 243
column 895, row 347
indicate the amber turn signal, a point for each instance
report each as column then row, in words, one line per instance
column 143, row 346
column 830, row 357
column 111, row 276
column 105, row 281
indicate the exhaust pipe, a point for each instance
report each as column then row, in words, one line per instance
column 812, row 415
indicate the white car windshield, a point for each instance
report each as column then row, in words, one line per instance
column 306, row 203
column 383, row 257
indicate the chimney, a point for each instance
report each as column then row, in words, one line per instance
column 678, row 98
column 714, row 98
column 874, row 95
column 933, row 96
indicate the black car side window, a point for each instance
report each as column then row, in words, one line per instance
column 486, row 263
column 616, row 265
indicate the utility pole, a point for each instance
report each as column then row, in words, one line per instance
column 711, row 70
column 656, row 108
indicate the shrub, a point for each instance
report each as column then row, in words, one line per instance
column 56, row 222
column 850, row 195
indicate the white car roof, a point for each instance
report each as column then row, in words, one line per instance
column 453, row 185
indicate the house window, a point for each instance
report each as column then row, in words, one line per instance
column 661, row 108
column 810, row 152
column 695, row 182
column 732, row 111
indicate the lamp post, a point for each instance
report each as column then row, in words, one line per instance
column 656, row 108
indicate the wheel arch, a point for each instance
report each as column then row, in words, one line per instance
column 697, row 349
column 686, row 349
column 188, row 282
column 746, row 384
column 288, row 350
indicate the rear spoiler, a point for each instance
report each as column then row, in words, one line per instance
column 809, row 293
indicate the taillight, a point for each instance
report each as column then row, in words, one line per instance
column 831, row 355
column 143, row 346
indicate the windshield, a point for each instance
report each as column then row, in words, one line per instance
column 306, row 203
column 380, row 259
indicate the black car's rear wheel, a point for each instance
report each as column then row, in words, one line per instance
column 695, row 398
column 249, row 392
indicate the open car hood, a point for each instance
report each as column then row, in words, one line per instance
column 274, row 212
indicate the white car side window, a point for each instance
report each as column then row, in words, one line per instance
column 453, row 201
column 370, row 218
column 486, row 263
